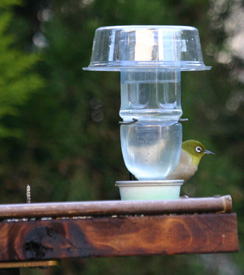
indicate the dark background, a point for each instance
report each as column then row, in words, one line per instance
column 59, row 125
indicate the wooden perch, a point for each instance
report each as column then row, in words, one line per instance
column 99, row 208
column 53, row 231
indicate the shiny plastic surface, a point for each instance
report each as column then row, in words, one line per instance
column 153, row 96
column 151, row 150
column 150, row 190
column 145, row 47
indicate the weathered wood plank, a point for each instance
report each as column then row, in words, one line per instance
column 117, row 236
column 91, row 208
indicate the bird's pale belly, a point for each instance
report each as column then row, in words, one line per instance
column 185, row 169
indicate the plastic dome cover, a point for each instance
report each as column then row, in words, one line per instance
column 119, row 48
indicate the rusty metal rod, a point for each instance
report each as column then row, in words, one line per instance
column 19, row 264
column 221, row 204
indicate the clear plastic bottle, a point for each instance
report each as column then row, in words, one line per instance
column 151, row 150
column 150, row 95
column 150, row 60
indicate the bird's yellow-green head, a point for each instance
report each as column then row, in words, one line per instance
column 196, row 149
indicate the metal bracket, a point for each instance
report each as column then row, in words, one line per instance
column 183, row 119
column 28, row 264
column 134, row 120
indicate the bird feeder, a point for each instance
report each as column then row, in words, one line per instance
column 150, row 60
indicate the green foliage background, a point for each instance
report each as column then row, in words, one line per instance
column 59, row 125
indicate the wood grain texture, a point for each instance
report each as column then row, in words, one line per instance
column 117, row 236
column 221, row 204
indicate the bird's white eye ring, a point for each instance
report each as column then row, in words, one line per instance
column 198, row 149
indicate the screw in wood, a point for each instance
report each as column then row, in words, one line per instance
column 28, row 193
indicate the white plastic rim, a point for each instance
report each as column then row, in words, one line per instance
column 117, row 48
column 141, row 183
column 150, row 190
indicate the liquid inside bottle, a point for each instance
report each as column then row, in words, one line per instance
column 151, row 150
column 150, row 95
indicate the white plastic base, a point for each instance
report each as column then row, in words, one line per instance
column 150, row 190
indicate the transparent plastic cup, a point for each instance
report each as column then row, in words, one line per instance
column 151, row 150
column 145, row 47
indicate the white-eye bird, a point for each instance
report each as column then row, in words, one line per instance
column 191, row 154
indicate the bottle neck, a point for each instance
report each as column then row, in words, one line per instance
column 151, row 95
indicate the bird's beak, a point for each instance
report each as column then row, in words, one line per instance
column 207, row 152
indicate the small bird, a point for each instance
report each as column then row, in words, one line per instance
column 191, row 155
